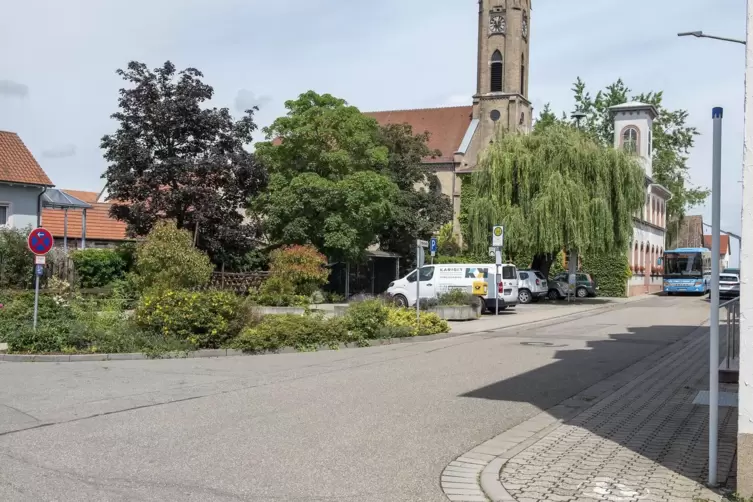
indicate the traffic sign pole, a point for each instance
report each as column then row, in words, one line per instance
column 40, row 243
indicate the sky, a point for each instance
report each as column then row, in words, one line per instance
column 58, row 85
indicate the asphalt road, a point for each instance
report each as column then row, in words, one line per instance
column 373, row 424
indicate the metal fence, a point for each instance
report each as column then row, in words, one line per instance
column 732, row 335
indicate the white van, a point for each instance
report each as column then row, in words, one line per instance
column 477, row 279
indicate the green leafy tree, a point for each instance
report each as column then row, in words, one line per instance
column 328, row 185
column 172, row 157
column 167, row 259
column 553, row 189
column 672, row 138
column 420, row 208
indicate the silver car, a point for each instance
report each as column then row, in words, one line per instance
column 532, row 286
column 729, row 286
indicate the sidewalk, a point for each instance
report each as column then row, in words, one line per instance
column 635, row 436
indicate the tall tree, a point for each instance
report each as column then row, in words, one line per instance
column 554, row 189
column 421, row 208
column 328, row 185
column 672, row 138
column 174, row 158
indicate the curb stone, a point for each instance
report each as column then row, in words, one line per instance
column 497, row 451
column 205, row 353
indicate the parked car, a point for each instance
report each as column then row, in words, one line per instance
column 532, row 286
column 729, row 286
column 585, row 286
column 471, row 278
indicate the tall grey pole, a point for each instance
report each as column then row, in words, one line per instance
column 418, row 283
column 745, row 333
column 65, row 230
column 716, row 189
column 36, row 296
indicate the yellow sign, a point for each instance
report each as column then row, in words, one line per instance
column 479, row 288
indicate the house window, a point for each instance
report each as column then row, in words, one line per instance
column 4, row 214
column 630, row 140
column 497, row 72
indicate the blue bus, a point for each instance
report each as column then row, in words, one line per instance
column 687, row 270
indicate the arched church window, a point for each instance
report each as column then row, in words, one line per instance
column 497, row 71
column 630, row 140
column 522, row 74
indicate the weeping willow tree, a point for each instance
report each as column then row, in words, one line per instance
column 554, row 189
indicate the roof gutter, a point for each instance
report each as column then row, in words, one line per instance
column 39, row 206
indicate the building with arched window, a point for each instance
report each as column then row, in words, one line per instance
column 632, row 124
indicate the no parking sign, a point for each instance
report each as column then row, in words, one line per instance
column 40, row 241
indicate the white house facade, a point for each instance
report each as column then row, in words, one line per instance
column 633, row 123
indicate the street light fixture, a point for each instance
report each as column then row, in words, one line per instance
column 700, row 34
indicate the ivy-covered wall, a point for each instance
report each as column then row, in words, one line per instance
column 610, row 271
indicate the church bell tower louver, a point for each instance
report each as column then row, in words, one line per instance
column 501, row 99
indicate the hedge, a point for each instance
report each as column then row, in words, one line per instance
column 610, row 271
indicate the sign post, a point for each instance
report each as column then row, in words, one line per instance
column 420, row 245
column 40, row 242
column 498, row 242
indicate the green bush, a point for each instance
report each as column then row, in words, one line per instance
column 96, row 268
column 16, row 261
column 365, row 319
column 456, row 297
column 277, row 291
column 203, row 319
column 18, row 311
column 167, row 259
column 307, row 332
column 431, row 324
column 610, row 271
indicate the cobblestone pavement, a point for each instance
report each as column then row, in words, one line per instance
column 644, row 441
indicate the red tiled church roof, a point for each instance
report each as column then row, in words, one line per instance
column 17, row 164
column 446, row 126
column 723, row 243
column 99, row 224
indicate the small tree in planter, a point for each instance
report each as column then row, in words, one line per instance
column 302, row 266
column 167, row 259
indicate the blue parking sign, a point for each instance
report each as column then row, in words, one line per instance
column 433, row 245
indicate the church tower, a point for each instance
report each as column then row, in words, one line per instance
column 501, row 99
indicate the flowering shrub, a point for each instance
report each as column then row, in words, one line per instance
column 205, row 319
column 302, row 266
column 431, row 323
column 306, row 332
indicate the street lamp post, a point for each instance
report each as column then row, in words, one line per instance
column 700, row 34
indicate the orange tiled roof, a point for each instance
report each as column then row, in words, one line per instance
column 99, row 224
column 723, row 243
column 17, row 164
column 446, row 126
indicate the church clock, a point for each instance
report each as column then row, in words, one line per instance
column 497, row 25
column 525, row 26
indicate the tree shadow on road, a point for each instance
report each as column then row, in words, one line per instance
column 646, row 406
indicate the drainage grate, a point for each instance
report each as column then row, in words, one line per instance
column 726, row 399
